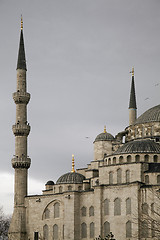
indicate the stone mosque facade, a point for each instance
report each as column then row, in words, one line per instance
column 118, row 191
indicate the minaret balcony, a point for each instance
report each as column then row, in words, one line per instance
column 21, row 129
column 21, row 162
column 21, row 97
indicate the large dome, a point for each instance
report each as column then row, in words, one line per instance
column 71, row 177
column 151, row 115
column 139, row 146
column 104, row 137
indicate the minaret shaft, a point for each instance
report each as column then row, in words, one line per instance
column 21, row 113
column 132, row 116
column 21, row 146
column 20, row 183
column 21, row 80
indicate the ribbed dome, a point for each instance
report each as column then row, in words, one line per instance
column 104, row 137
column 139, row 146
column 151, row 115
column 71, row 177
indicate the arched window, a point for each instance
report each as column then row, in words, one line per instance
column 60, row 189
column 110, row 177
column 46, row 213
column 121, row 159
column 146, row 158
column 69, row 188
column 127, row 176
column 146, row 179
column 152, row 229
column 83, row 211
column 143, row 131
column 106, row 207
column 80, row 188
column 152, row 130
column 92, row 230
column 114, row 160
column 145, row 208
column 144, row 230
column 109, row 161
column 106, row 228
column 55, row 232
column 56, row 210
column 137, row 158
column 119, row 176
column 152, row 208
column 136, row 132
column 128, row 229
column 158, row 179
column 45, row 232
column 83, row 230
column 128, row 158
column 155, row 158
column 91, row 211
column 128, row 206
column 117, row 206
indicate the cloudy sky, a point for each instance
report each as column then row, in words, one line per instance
column 79, row 54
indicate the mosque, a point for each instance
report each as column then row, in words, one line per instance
column 118, row 191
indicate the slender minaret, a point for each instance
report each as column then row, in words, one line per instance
column 132, row 102
column 20, row 161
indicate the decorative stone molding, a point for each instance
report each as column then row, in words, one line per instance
column 21, row 129
column 21, row 162
column 21, row 97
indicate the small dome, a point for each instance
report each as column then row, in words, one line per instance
column 104, row 137
column 50, row 183
column 151, row 115
column 139, row 146
column 71, row 177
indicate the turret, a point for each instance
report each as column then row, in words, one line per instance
column 103, row 145
column 132, row 102
column 20, row 162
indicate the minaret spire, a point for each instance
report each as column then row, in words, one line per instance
column 20, row 162
column 132, row 102
column 21, row 63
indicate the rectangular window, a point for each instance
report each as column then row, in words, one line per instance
column 36, row 236
column 63, row 231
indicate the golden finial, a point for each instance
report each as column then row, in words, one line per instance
column 132, row 71
column 73, row 163
column 21, row 23
column 105, row 129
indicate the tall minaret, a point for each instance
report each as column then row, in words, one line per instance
column 20, row 161
column 132, row 102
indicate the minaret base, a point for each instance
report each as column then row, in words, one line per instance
column 17, row 229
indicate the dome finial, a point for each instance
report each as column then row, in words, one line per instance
column 132, row 71
column 21, row 22
column 104, row 128
column 73, row 170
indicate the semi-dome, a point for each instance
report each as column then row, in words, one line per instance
column 104, row 137
column 71, row 177
column 139, row 146
column 151, row 115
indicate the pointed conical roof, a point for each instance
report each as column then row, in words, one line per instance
column 21, row 63
column 132, row 102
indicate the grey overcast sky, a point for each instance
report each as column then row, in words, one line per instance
column 79, row 54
